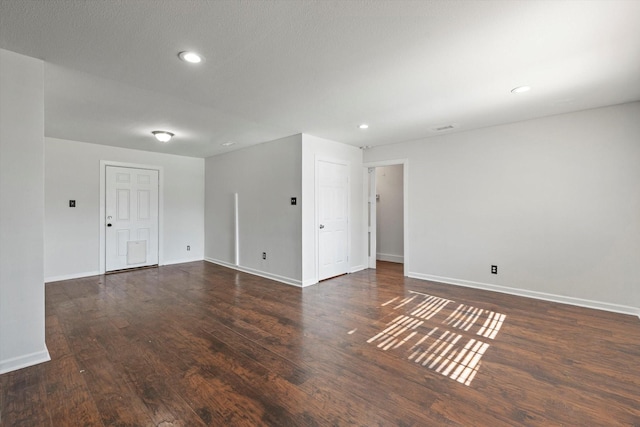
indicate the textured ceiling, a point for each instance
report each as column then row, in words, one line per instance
column 275, row 68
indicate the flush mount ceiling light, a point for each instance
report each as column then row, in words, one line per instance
column 363, row 126
column 190, row 57
column 162, row 136
column 521, row 89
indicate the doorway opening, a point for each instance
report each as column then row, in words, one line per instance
column 387, row 224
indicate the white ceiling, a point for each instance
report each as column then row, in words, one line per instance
column 276, row 68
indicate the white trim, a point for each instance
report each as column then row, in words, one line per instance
column 357, row 268
column 236, row 223
column 71, row 276
column 53, row 279
column 390, row 258
column 182, row 261
column 405, row 201
column 316, row 221
column 309, row 282
column 24, row 361
column 372, row 217
column 103, row 179
column 271, row 276
column 598, row 305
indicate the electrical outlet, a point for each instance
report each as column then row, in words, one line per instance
column 264, row 255
column 188, row 247
column 494, row 269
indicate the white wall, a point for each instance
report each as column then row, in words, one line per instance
column 265, row 176
column 554, row 202
column 390, row 213
column 72, row 235
column 22, row 333
column 313, row 148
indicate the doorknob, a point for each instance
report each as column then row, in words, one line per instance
column 108, row 225
column 321, row 226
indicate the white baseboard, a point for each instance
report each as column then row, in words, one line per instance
column 309, row 282
column 71, row 276
column 356, row 268
column 24, row 361
column 181, row 261
column 266, row 275
column 97, row 273
column 598, row 305
column 390, row 257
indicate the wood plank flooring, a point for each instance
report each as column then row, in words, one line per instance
column 197, row 344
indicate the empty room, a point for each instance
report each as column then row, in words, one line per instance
column 319, row 213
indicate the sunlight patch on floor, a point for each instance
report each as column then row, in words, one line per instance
column 453, row 354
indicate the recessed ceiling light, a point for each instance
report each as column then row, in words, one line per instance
column 162, row 135
column 363, row 126
column 191, row 57
column 228, row 143
column 521, row 89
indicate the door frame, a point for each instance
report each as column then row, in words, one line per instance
column 103, row 206
column 405, row 203
column 316, row 219
column 372, row 218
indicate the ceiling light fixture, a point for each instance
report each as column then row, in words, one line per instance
column 227, row 144
column 191, row 57
column 162, row 135
column 363, row 126
column 521, row 89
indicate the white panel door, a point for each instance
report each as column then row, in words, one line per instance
column 333, row 218
column 131, row 234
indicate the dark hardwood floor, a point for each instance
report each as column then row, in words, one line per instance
column 197, row 344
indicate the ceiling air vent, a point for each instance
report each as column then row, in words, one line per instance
column 443, row 128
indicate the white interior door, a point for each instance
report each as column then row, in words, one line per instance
column 131, row 223
column 333, row 218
